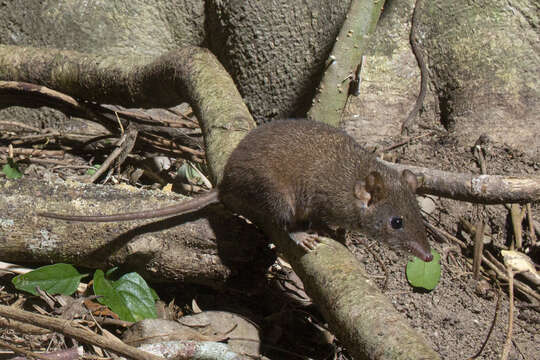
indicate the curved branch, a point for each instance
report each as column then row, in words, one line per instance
column 189, row 74
column 423, row 69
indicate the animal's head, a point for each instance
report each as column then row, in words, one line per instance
column 389, row 211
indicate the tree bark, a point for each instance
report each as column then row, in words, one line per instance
column 275, row 50
column 208, row 247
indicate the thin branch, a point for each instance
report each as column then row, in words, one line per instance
column 517, row 219
column 492, row 326
column 125, row 146
column 530, row 221
column 485, row 189
column 423, row 69
column 19, row 350
column 83, row 335
column 33, row 152
column 508, row 342
column 478, row 248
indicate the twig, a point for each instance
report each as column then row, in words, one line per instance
column 532, row 233
column 83, row 335
column 508, row 342
column 478, row 248
column 119, row 123
column 497, row 306
column 423, row 69
column 480, row 157
column 381, row 263
column 125, row 144
column 33, row 152
column 406, row 141
column 22, row 351
column 102, row 320
column 354, row 85
column 515, row 214
column 157, row 120
column 445, row 234
column 160, row 142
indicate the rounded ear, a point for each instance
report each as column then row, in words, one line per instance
column 411, row 179
column 370, row 190
column 361, row 193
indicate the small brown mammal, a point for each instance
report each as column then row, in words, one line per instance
column 298, row 175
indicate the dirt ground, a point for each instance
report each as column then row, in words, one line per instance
column 455, row 317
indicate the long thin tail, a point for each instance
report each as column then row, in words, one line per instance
column 184, row 207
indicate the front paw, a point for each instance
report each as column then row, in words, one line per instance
column 306, row 241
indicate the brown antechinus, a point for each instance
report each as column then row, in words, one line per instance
column 300, row 175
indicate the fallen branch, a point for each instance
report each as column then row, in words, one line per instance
column 81, row 334
column 208, row 247
column 486, row 189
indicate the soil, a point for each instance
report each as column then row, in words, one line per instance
column 456, row 316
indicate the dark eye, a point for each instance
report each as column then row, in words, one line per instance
column 396, row 222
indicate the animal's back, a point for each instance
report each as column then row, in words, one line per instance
column 283, row 170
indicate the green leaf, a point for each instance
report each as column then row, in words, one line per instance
column 190, row 173
column 55, row 279
column 424, row 274
column 93, row 169
column 11, row 170
column 110, row 272
column 129, row 297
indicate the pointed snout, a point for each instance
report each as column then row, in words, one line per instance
column 422, row 251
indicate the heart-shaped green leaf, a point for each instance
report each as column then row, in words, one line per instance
column 424, row 274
